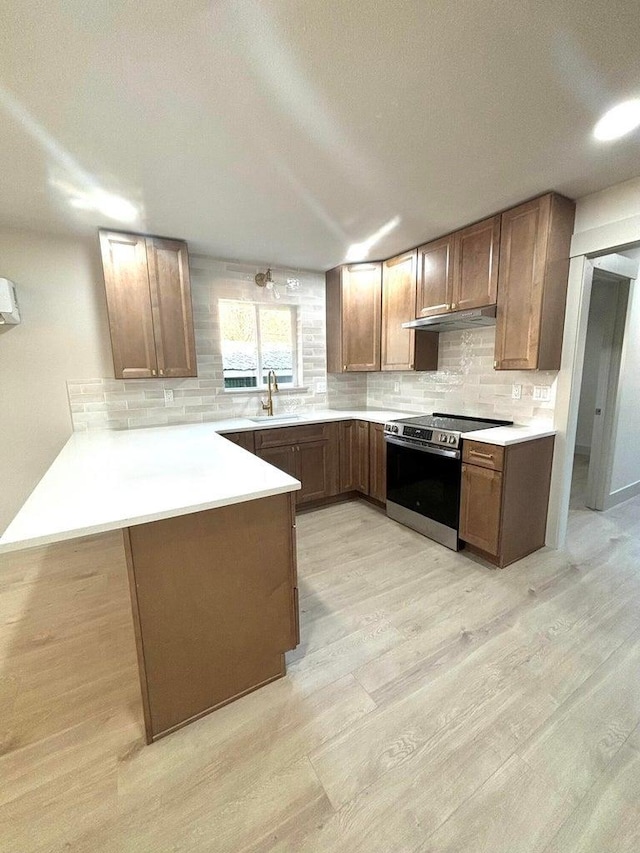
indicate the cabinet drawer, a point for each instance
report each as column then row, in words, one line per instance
column 291, row 435
column 484, row 455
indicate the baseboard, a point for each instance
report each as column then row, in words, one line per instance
column 622, row 495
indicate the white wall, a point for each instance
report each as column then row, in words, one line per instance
column 63, row 335
column 599, row 306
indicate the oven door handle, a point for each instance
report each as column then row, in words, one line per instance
column 423, row 448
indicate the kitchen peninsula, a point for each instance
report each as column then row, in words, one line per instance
column 209, row 534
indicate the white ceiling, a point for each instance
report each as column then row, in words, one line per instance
column 285, row 130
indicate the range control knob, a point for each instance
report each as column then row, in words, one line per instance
column 442, row 437
column 452, row 439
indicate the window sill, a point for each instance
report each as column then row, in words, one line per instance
column 296, row 389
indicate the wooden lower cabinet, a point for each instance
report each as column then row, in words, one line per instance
column 309, row 453
column 504, row 498
column 214, row 598
column 377, row 463
column 245, row 440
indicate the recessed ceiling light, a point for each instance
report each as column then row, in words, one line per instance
column 618, row 121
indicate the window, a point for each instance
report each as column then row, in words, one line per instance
column 257, row 338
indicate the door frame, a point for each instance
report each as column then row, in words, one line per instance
column 588, row 250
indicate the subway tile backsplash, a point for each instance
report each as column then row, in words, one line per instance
column 464, row 383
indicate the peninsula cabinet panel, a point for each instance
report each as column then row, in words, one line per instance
column 503, row 513
column 435, row 277
column 475, row 275
column 126, row 278
column 532, row 283
column 214, row 603
column 171, row 306
column 354, row 296
column 404, row 349
column 149, row 305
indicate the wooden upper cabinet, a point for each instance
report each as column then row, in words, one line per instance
column 170, row 288
column 532, row 283
column 435, row 277
column 149, row 305
column 126, row 277
column 475, row 265
column 354, row 295
column 398, row 307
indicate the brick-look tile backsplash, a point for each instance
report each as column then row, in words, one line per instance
column 464, row 383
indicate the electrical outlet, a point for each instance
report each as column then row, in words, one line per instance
column 516, row 391
column 321, row 386
column 542, row 393
column 396, row 387
column 168, row 395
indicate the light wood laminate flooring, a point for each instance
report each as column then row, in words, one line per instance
column 434, row 704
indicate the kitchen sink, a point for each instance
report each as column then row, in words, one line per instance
column 260, row 419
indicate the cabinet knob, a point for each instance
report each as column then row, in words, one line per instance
column 454, row 305
column 153, row 373
column 344, row 366
column 161, row 372
column 495, row 363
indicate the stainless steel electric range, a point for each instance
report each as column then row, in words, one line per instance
column 424, row 471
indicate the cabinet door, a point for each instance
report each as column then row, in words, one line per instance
column 435, row 277
column 362, row 481
column 126, row 279
column 171, row 303
column 481, row 507
column 243, row 439
column 348, row 456
column 398, row 307
column 314, row 466
column 377, row 463
column 361, row 306
column 523, row 250
column 475, row 277
column 283, row 458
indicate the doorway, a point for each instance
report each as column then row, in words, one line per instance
column 595, row 429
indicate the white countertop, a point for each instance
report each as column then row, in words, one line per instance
column 515, row 434
column 110, row 479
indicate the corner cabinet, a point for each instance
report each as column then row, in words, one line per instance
column 459, row 271
column 404, row 349
column 354, row 298
column 532, row 283
column 504, row 498
column 148, row 292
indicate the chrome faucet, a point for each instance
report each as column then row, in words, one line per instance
column 268, row 406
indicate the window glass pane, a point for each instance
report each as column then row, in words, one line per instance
column 239, row 344
column 277, row 343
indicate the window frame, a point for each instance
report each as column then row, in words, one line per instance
column 261, row 386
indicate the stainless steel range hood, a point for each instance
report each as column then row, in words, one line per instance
column 472, row 319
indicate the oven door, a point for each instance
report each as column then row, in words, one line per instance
column 423, row 489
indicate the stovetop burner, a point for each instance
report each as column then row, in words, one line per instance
column 455, row 423
column 439, row 430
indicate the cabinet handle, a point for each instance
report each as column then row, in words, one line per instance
column 344, row 366
column 161, row 372
column 495, row 364
column 481, row 455
column 153, row 373
column 454, row 305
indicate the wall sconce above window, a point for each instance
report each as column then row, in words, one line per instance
column 264, row 279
